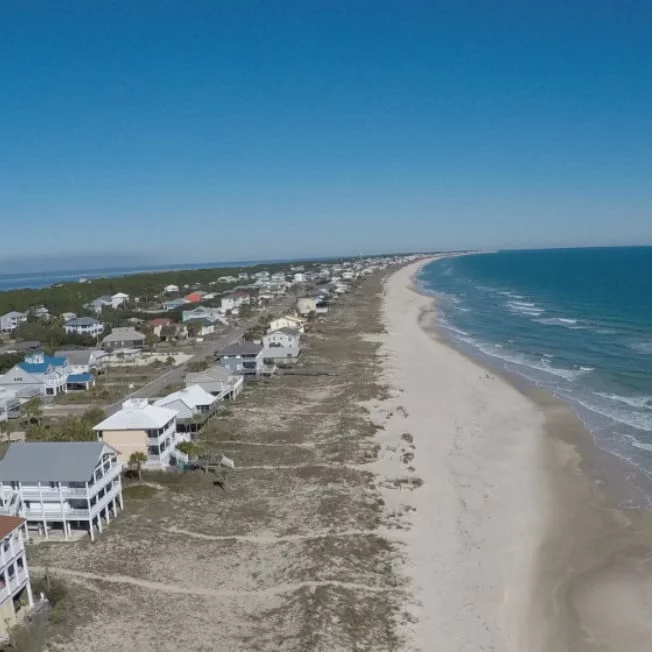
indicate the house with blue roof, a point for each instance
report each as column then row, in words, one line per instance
column 46, row 375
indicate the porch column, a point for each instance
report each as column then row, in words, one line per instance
column 106, row 514
column 99, row 523
column 30, row 597
column 65, row 529
column 45, row 523
column 90, row 525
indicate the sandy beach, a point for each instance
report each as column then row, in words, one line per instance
column 515, row 543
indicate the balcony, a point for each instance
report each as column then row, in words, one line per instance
column 71, row 513
column 168, row 432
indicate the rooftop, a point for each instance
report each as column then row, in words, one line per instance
column 8, row 524
column 137, row 414
column 216, row 373
column 82, row 321
column 242, row 348
column 123, row 334
column 192, row 396
column 51, row 461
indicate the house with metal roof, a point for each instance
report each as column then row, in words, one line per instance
column 15, row 587
column 194, row 407
column 123, row 338
column 84, row 326
column 243, row 359
column 174, row 304
column 218, row 381
column 282, row 345
column 61, row 486
column 143, row 428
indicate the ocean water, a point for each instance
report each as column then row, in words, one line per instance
column 575, row 322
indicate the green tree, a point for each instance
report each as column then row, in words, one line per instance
column 73, row 429
column 7, row 428
column 137, row 459
column 170, row 361
column 150, row 336
column 193, row 329
column 93, row 415
column 168, row 332
column 33, row 410
column 188, row 448
column 199, row 365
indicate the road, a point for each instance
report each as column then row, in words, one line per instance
column 176, row 375
column 206, row 349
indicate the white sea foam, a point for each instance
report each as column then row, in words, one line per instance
column 641, row 420
column 639, row 444
column 644, row 402
column 641, row 347
column 525, row 308
column 521, row 360
column 448, row 326
column 558, row 321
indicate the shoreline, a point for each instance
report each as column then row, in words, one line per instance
column 580, row 567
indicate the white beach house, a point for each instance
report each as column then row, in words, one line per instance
column 15, row 587
column 194, row 407
column 61, row 485
column 84, row 326
column 218, row 381
column 141, row 427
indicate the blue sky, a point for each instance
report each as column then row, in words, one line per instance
column 182, row 131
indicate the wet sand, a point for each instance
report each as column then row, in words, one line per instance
column 521, row 539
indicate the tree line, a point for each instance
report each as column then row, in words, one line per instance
column 72, row 296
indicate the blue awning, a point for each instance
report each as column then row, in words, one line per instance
column 79, row 379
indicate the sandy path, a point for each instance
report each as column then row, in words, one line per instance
column 203, row 591
column 479, row 516
column 272, row 539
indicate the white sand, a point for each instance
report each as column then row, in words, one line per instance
column 480, row 513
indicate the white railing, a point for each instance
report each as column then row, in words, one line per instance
column 70, row 513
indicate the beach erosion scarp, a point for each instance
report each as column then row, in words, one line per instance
column 514, row 544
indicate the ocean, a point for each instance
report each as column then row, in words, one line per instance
column 575, row 322
column 37, row 280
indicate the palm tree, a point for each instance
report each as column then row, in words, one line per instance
column 137, row 459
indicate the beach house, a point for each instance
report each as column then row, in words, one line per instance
column 38, row 374
column 11, row 320
column 141, row 427
column 61, row 486
column 288, row 321
column 244, row 359
column 118, row 299
column 123, row 337
column 306, row 305
column 15, row 587
column 217, row 381
column 83, row 326
column 194, row 407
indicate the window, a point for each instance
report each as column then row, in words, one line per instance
column 53, row 485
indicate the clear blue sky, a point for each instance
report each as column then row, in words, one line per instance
column 182, row 131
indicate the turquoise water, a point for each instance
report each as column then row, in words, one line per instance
column 576, row 322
